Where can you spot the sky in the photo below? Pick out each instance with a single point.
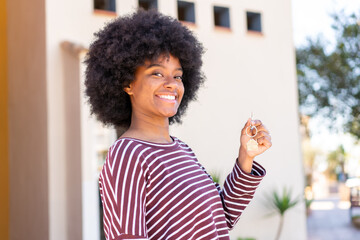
(311, 18)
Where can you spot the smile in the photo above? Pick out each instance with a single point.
(168, 97)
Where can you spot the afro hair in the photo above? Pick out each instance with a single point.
(125, 44)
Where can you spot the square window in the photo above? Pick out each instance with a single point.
(148, 4)
(222, 16)
(253, 21)
(106, 5)
(186, 11)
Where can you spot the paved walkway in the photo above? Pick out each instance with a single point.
(330, 220)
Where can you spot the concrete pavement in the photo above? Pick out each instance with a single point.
(330, 220)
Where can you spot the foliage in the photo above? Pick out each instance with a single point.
(281, 203)
(216, 177)
(308, 202)
(336, 162)
(307, 205)
(356, 221)
(329, 78)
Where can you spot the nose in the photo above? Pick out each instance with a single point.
(172, 83)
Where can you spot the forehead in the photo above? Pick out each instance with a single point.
(162, 59)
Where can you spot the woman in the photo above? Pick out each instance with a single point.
(142, 71)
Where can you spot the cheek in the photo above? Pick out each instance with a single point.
(141, 90)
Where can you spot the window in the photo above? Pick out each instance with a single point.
(253, 21)
(186, 11)
(222, 16)
(148, 4)
(106, 5)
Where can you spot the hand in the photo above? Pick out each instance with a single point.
(263, 139)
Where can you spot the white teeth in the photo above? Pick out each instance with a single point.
(170, 97)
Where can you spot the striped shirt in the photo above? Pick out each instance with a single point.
(161, 191)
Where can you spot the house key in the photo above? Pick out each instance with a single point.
(252, 144)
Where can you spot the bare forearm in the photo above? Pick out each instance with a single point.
(245, 161)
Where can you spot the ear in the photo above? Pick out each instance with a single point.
(128, 89)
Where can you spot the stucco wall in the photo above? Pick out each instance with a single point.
(4, 144)
(27, 120)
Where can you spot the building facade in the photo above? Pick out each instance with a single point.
(54, 149)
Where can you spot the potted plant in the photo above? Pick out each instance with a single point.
(356, 221)
(308, 204)
(281, 202)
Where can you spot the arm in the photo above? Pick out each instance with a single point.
(239, 189)
(122, 191)
(240, 185)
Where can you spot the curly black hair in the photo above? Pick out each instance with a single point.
(125, 44)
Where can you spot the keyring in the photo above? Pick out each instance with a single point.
(251, 128)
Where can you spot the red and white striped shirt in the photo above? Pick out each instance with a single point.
(161, 191)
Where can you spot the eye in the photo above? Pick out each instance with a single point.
(178, 78)
(157, 74)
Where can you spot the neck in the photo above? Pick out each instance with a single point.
(149, 129)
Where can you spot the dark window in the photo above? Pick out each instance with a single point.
(253, 21)
(186, 11)
(148, 4)
(222, 16)
(107, 5)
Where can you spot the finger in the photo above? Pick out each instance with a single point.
(262, 128)
(256, 122)
(262, 134)
(259, 125)
(247, 124)
(265, 141)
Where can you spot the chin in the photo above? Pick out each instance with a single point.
(169, 113)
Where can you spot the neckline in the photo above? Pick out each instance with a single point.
(174, 143)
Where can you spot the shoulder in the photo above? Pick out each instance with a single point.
(181, 144)
(126, 149)
(130, 146)
(124, 156)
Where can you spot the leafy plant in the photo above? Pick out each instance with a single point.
(356, 221)
(336, 161)
(308, 202)
(329, 78)
(307, 205)
(216, 177)
(281, 202)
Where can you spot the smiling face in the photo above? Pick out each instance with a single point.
(157, 89)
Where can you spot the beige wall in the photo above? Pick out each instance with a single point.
(4, 144)
(46, 145)
(27, 120)
(71, 68)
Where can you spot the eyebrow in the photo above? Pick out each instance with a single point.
(159, 65)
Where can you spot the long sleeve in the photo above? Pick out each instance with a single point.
(122, 190)
(239, 189)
